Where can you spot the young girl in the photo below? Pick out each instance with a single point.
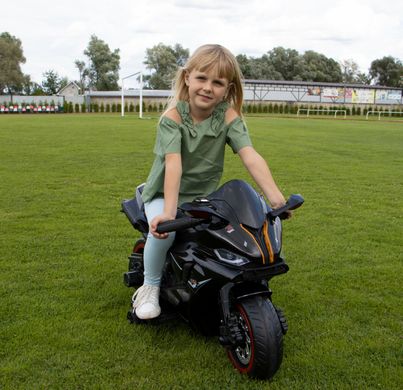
(203, 116)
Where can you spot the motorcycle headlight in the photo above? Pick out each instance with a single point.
(230, 258)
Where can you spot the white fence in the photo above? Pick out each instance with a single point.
(308, 110)
(35, 100)
(382, 113)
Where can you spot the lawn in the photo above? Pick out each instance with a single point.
(64, 246)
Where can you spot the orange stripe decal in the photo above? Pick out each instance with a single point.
(267, 241)
(260, 249)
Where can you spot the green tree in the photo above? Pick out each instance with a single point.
(29, 87)
(245, 65)
(317, 67)
(164, 61)
(83, 75)
(387, 71)
(52, 82)
(286, 62)
(11, 58)
(104, 65)
(350, 71)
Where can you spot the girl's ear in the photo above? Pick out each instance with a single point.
(186, 77)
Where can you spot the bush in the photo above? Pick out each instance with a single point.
(96, 107)
(113, 107)
(76, 108)
(265, 109)
(70, 107)
(108, 107)
(160, 107)
(83, 107)
(275, 108)
(150, 108)
(126, 108)
(358, 110)
(119, 107)
(281, 108)
(137, 107)
(270, 108)
(131, 107)
(102, 107)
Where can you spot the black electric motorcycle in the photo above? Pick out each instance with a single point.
(216, 276)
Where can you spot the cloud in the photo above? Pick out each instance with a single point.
(54, 36)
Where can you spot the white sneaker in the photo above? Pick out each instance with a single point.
(146, 302)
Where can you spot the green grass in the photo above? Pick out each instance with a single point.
(64, 246)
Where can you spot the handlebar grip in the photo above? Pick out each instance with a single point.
(179, 224)
(293, 203)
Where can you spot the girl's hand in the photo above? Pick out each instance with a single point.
(280, 202)
(158, 219)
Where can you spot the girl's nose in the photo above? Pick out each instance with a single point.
(207, 86)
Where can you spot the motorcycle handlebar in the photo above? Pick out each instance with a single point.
(179, 224)
(293, 203)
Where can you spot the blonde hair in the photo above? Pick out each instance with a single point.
(206, 58)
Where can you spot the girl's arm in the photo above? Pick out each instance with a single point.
(260, 172)
(173, 173)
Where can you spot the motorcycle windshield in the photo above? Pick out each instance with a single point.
(238, 198)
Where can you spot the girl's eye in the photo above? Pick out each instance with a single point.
(201, 78)
(219, 83)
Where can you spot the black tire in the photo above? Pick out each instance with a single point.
(262, 352)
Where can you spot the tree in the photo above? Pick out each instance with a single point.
(104, 65)
(52, 82)
(350, 71)
(245, 65)
(83, 75)
(164, 61)
(11, 58)
(387, 71)
(317, 67)
(286, 62)
(30, 88)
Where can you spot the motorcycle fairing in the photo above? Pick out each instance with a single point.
(238, 198)
(248, 230)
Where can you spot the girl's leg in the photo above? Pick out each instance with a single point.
(146, 298)
(156, 249)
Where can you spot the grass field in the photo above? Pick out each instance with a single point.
(64, 246)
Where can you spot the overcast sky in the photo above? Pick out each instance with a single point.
(56, 33)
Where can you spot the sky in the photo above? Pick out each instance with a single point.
(55, 34)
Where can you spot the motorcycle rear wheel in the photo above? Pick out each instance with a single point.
(261, 353)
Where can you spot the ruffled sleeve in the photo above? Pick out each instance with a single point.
(169, 137)
(238, 135)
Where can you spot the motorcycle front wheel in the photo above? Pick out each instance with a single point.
(261, 352)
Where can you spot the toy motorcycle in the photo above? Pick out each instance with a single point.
(216, 276)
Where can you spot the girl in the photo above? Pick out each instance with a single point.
(204, 115)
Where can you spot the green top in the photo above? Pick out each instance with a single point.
(202, 148)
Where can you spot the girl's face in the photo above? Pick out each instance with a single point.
(206, 90)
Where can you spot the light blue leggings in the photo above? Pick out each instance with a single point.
(156, 249)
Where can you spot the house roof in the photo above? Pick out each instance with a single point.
(68, 85)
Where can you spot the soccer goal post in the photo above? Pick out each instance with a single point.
(140, 93)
